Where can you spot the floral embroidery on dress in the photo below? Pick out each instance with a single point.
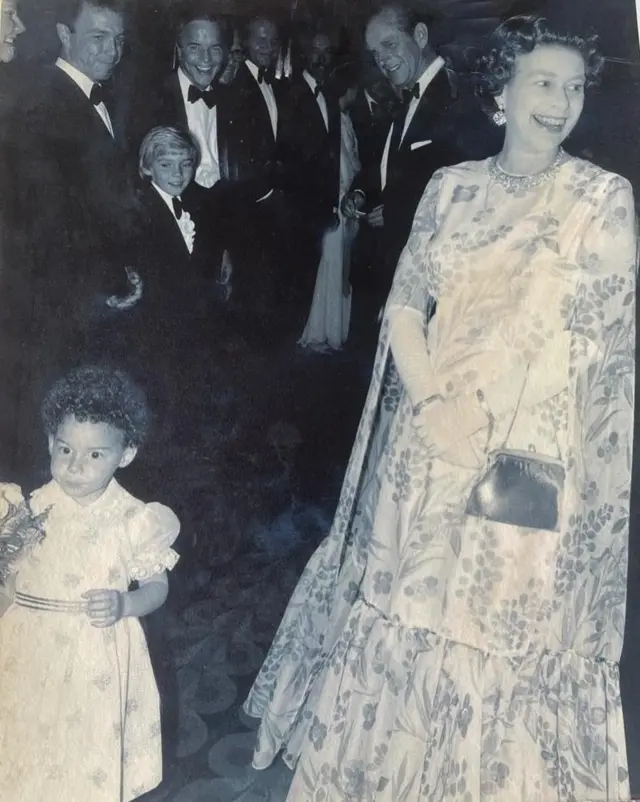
(79, 661)
(427, 654)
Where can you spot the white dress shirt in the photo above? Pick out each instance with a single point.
(185, 223)
(203, 124)
(423, 82)
(268, 95)
(320, 100)
(86, 84)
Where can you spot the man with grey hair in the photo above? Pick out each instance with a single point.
(421, 139)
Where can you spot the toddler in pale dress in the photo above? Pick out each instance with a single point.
(79, 705)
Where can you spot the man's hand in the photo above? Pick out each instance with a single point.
(375, 217)
(351, 204)
(135, 292)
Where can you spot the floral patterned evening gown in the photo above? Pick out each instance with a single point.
(427, 654)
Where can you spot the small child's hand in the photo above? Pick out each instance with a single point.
(105, 607)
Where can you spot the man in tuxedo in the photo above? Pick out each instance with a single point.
(72, 200)
(372, 113)
(421, 139)
(262, 236)
(69, 173)
(311, 148)
(192, 96)
(258, 100)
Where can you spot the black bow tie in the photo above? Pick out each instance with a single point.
(208, 95)
(408, 94)
(266, 74)
(97, 94)
(178, 208)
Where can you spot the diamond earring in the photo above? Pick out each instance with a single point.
(499, 118)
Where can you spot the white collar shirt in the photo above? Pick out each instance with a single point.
(86, 85)
(185, 223)
(203, 124)
(423, 82)
(320, 98)
(268, 95)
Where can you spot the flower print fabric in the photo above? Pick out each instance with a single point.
(79, 708)
(431, 655)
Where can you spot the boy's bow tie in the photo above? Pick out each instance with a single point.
(178, 207)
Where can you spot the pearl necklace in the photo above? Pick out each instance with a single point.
(522, 183)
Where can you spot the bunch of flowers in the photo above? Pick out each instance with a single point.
(20, 529)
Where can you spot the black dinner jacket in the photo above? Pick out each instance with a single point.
(371, 129)
(175, 279)
(242, 185)
(170, 109)
(72, 192)
(430, 142)
(311, 151)
(253, 150)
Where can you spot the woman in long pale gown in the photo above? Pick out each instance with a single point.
(428, 654)
(328, 322)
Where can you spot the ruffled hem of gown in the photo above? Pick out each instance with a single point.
(396, 713)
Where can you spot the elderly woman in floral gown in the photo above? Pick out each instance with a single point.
(432, 650)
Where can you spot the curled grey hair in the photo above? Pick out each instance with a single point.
(519, 35)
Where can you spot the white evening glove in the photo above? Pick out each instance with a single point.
(411, 355)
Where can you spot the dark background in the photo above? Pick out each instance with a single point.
(608, 134)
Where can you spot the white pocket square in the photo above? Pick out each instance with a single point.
(421, 144)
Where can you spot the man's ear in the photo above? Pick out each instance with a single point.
(64, 34)
(128, 456)
(421, 35)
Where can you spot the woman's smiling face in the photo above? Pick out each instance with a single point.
(544, 99)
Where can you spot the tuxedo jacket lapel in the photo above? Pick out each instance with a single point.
(171, 234)
(253, 103)
(312, 108)
(80, 108)
(177, 101)
(433, 104)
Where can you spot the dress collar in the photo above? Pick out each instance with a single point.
(52, 494)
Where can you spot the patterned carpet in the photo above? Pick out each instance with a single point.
(254, 481)
(216, 646)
